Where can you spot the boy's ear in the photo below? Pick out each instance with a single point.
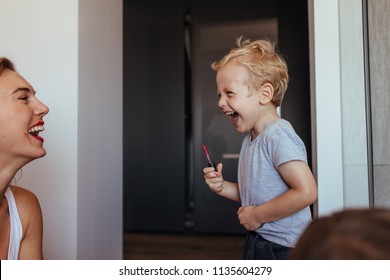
(266, 93)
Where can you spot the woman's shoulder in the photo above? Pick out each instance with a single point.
(32, 223)
(27, 204)
(23, 196)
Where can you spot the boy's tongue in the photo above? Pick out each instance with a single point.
(234, 118)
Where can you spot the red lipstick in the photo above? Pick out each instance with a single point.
(35, 132)
(210, 163)
(39, 138)
(38, 123)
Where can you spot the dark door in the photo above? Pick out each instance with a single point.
(154, 121)
(170, 104)
(214, 33)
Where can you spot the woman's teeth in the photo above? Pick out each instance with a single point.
(36, 129)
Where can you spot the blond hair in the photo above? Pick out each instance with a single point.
(264, 63)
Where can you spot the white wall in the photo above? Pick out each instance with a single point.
(100, 130)
(338, 104)
(353, 100)
(326, 104)
(71, 52)
(379, 23)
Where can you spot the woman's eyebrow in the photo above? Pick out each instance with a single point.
(22, 89)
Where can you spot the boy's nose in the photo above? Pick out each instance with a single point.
(221, 102)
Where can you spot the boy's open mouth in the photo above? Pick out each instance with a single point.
(233, 116)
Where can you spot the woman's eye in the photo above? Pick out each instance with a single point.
(23, 98)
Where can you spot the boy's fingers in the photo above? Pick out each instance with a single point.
(208, 169)
(219, 167)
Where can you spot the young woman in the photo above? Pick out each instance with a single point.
(21, 121)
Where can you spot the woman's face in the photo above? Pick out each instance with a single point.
(21, 119)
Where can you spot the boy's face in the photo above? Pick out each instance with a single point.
(235, 98)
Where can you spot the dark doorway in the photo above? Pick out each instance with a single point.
(170, 105)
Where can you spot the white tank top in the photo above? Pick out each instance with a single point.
(15, 226)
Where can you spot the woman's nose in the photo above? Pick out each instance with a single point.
(40, 108)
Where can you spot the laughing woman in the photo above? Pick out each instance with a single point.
(21, 120)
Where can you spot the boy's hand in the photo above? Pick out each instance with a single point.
(214, 179)
(248, 218)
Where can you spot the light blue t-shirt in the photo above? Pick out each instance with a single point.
(259, 180)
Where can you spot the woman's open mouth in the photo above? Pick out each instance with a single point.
(36, 129)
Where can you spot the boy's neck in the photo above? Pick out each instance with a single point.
(269, 116)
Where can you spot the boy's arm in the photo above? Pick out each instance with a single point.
(302, 193)
(218, 185)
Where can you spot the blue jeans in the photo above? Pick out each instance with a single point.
(257, 248)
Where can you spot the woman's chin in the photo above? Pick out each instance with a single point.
(43, 153)
(38, 154)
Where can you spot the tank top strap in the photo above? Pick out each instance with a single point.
(15, 226)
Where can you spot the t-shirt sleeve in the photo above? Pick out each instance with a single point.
(285, 145)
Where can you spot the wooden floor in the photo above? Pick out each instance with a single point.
(153, 246)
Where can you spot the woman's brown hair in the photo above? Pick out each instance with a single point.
(5, 63)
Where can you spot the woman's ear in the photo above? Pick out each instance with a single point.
(266, 93)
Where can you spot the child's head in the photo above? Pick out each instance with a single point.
(348, 234)
(264, 64)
